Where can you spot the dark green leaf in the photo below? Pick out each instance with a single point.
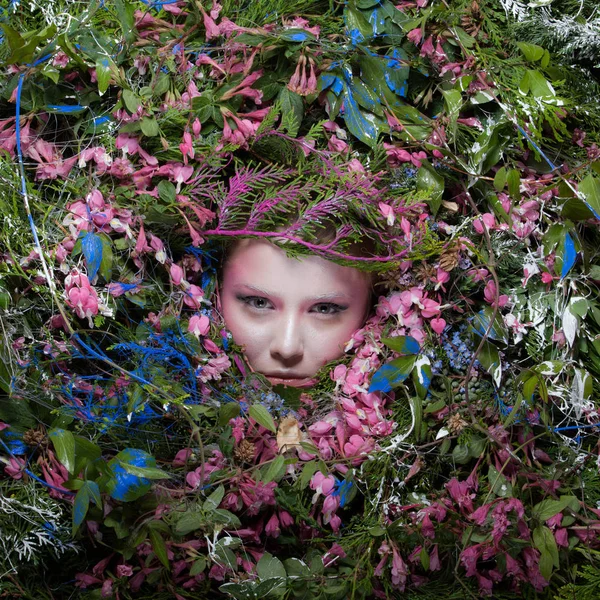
(159, 546)
(228, 411)
(80, 507)
(590, 189)
(166, 191)
(430, 180)
(392, 374)
(402, 344)
(198, 566)
(269, 567)
(64, 445)
(145, 472)
(275, 471)
(213, 501)
(188, 522)
(546, 509)
(292, 107)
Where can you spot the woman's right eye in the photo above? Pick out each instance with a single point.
(256, 302)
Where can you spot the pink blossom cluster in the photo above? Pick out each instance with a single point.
(81, 296)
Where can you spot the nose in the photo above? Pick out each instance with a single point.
(287, 344)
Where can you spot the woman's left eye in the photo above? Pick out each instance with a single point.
(328, 308)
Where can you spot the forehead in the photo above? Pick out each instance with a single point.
(260, 263)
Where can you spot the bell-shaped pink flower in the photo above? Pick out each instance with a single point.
(199, 325)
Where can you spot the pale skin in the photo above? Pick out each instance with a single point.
(291, 316)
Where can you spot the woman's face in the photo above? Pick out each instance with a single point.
(292, 316)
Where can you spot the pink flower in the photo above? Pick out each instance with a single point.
(256, 494)
(396, 156)
(388, 212)
(199, 325)
(124, 571)
(176, 273)
(187, 147)
(489, 294)
(489, 221)
(81, 296)
(272, 527)
(459, 492)
(321, 484)
(214, 368)
(438, 325)
(427, 48)
(15, 467)
(469, 557)
(399, 570)
(193, 297)
(415, 36)
(337, 145)
(196, 127)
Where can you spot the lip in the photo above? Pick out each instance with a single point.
(293, 381)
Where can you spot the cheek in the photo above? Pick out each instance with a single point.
(328, 342)
(245, 331)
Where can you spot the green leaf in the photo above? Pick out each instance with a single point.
(145, 472)
(500, 179)
(392, 374)
(103, 74)
(81, 505)
(546, 509)
(377, 531)
(513, 179)
(428, 179)
(228, 411)
(64, 445)
(166, 191)
(160, 547)
(269, 566)
(499, 484)
(107, 257)
(543, 540)
(275, 471)
(531, 52)
(292, 107)
(402, 344)
(296, 568)
(94, 493)
(261, 415)
(224, 517)
(453, 101)
(188, 522)
(149, 126)
(198, 566)
(590, 189)
(125, 14)
(131, 101)
(576, 210)
(163, 84)
(309, 469)
(481, 322)
(213, 501)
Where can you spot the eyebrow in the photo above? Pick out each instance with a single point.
(319, 298)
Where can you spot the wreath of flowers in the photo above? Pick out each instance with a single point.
(452, 450)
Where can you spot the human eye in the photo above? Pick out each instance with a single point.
(328, 308)
(255, 302)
